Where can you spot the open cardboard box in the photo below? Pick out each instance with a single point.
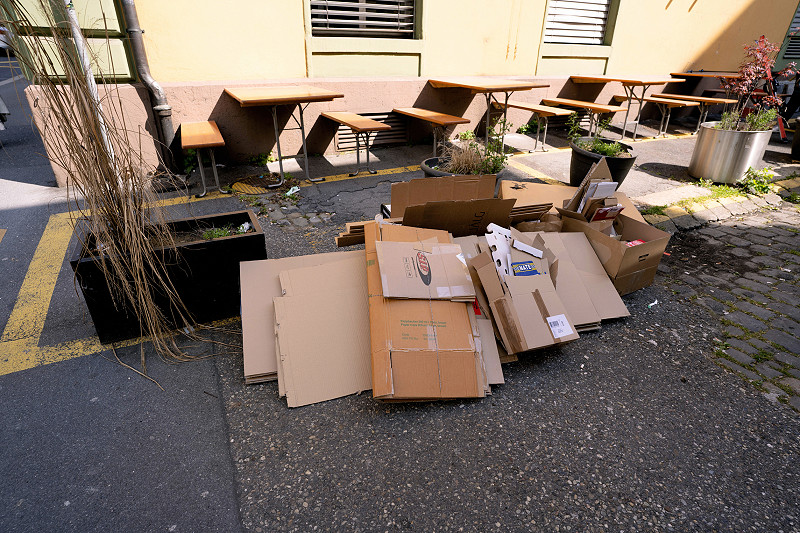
(630, 267)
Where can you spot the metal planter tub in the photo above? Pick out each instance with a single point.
(723, 156)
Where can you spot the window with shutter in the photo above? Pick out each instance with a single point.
(576, 21)
(363, 18)
(792, 45)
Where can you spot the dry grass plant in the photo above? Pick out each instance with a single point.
(108, 184)
(463, 158)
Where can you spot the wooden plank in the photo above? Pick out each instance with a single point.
(275, 95)
(666, 101)
(543, 110)
(592, 106)
(201, 135)
(701, 99)
(486, 85)
(705, 74)
(440, 119)
(356, 122)
(625, 80)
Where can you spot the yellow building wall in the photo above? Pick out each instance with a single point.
(656, 37)
(187, 40)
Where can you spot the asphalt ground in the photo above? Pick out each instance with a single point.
(632, 428)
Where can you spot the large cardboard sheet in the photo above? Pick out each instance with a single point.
(260, 283)
(334, 360)
(422, 190)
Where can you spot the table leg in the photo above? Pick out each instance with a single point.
(305, 150)
(639, 99)
(202, 173)
(214, 170)
(488, 115)
(278, 144)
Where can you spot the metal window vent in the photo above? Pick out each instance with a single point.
(363, 18)
(576, 21)
(346, 140)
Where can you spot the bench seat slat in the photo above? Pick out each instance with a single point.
(356, 122)
(592, 106)
(201, 135)
(666, 101)
(440, 119)
(543, 110)
(701, 99)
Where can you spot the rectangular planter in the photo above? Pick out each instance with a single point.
(205, 275)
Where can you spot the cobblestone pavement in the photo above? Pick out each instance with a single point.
(745, 270)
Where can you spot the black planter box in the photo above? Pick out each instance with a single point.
(205, 275)
(582, 160)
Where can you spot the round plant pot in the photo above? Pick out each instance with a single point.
(582, 161)
(428, 165)
(723, 156)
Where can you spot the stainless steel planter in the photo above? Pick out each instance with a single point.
(723, 156)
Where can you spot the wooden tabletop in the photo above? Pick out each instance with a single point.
(543, 110)
(356, 122)
(440, 119)
(691, 98)
(486, 85)
(201, 135)
(625, 80)
(277, 95)
(706, 74)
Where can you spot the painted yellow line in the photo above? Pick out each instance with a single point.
(384, 172)
(19, 344)
(532, 172)
(27, 317)
(2, 233)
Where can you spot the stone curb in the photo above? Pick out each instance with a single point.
(701, 213)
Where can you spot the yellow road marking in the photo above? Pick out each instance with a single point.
(19, 344)
(2, 233)
(341, 177)
(532, 172)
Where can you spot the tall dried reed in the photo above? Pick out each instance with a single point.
(108, 183)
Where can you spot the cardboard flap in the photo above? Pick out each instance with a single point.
(468, 217)
(419, 191)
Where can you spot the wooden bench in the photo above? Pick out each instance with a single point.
(361, 127)
(541, 113)
(665, 105)
(593, 109)
(705, 103)
(200, 135)
(439, 121)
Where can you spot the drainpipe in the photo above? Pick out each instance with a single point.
(161, 109)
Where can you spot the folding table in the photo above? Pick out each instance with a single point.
(487, 87)
(289, 96)
(630, 85)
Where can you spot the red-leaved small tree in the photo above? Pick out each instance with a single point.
(755, 69)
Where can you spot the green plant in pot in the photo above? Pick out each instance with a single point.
(725, 149)
(470, 156)
(587, 151)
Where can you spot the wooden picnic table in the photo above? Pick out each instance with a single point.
(629, 84)
(291, 96)
(487, 87)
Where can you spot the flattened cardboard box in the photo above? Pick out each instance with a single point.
(460, 218)
(526, 309)
(260, 283)
(424, 271)
(617, 257)
(527, 193)
(423, 190)
(335, 360)
(421, 349)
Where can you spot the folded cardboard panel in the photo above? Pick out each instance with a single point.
(467, 217)
(421, 349)
(423, 190)
(260, 283)
(527, 193)
(593, 289)
(640, 279)
(617, 257)
(335, 361)
(424, 270)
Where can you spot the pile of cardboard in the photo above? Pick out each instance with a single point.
(445, 291)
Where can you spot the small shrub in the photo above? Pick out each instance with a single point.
(528, 128)
(467, 135)
(761, 119)
(261, 160)
(757, 181)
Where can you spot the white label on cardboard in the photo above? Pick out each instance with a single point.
(522, 247)
(559, 326)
